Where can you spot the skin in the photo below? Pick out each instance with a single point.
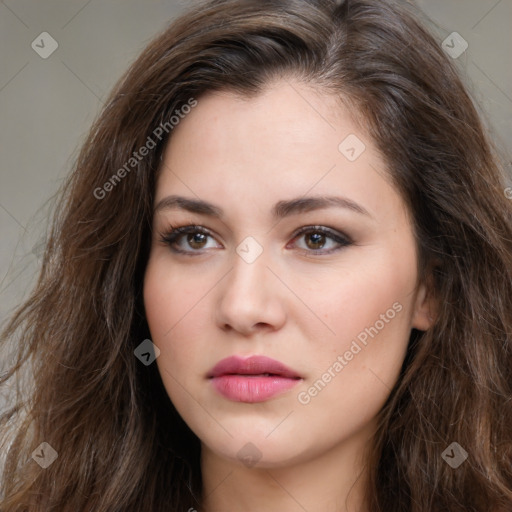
(291, 304)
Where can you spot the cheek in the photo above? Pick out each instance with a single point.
(170, 297)
(358, 296)
(176, 311)
(352, 375)
(368, 311)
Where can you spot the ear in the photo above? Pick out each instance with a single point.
(425, 308)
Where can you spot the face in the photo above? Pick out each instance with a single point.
(282, 284)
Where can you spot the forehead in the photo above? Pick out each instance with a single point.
(296, 114)
(285, 142)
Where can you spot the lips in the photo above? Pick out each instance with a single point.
(255, 365)
(253, 379)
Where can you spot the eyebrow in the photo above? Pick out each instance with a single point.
(280, 210)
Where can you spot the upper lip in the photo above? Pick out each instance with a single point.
(254, 365)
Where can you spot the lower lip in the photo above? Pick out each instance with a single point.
(252, 389)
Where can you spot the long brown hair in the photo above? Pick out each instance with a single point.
(121, 445)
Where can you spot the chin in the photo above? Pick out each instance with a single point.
(256, 450)
(258, 455)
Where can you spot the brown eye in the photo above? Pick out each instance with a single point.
(197, 240)
(320, 240)
(189, 240)
(315, 240)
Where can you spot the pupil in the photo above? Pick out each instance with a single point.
(317, 239)
(196, 239)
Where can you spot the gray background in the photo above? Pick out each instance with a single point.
(47, 105)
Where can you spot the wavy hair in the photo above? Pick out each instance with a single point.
(121, 444)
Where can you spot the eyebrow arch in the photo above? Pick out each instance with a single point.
(280, 210)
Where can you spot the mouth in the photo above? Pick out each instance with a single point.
(251, 380)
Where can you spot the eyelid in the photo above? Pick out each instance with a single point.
(335, 233)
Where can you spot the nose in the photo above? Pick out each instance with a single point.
(250, 298)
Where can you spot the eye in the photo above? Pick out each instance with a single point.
(193, 240)
(188, 239)
(320, 239)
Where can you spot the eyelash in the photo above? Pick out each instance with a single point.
(174, 234)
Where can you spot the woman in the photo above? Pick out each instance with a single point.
(279, 278)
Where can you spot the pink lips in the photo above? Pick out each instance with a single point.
(251, 380)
